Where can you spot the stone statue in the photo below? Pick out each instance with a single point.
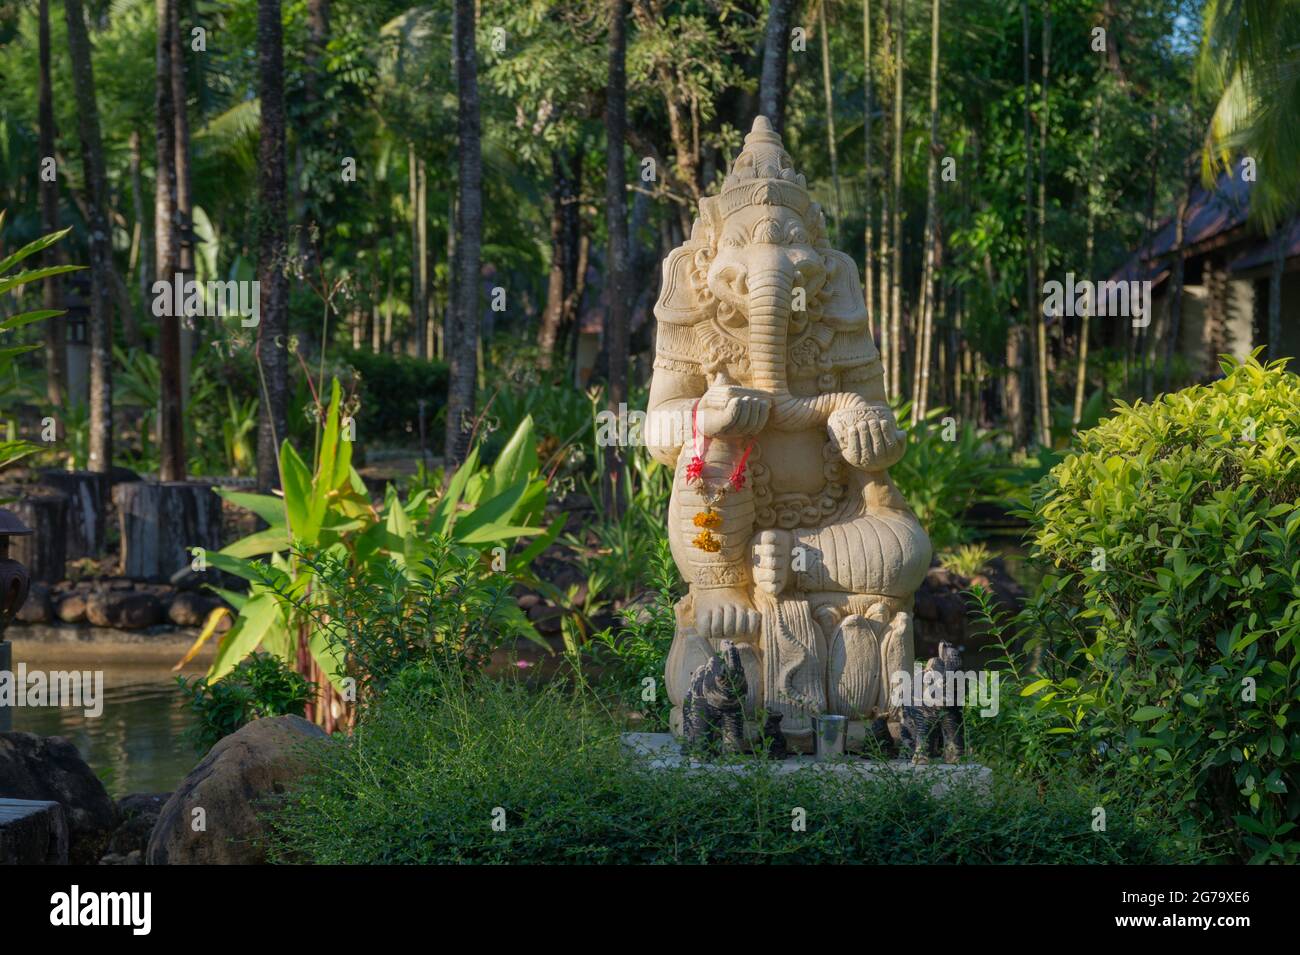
(768, 401)
(934, 730)
(712, 713)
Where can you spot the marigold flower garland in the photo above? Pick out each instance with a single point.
(709, 519)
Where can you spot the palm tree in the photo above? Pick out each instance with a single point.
(100, 453)
(462, 344)
(273, 330)
(1250, 63)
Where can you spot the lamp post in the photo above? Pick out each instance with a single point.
(14, 582)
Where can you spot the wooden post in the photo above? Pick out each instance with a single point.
(161, 522)
(88, 496)
(45, 511)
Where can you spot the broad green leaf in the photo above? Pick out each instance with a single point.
(266, 506)
(259, 616)
(518, 460)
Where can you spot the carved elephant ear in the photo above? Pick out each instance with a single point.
(679, 301)
(843, 304)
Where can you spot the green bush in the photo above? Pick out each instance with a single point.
(1172, 605)
(390, 390)
(422, 777)
(261, 685)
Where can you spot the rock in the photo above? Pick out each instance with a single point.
(32, 832)
(138, 813)
(124, 609)
(189, 608)
(943, 611)
(38, 607)
(72, 608)
(50, 768)
(229, 785)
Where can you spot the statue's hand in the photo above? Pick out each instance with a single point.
(868, 439)
(724, 612)
(727, 410)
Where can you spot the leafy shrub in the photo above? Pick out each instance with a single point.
(445, 609)
(261, 685)
(391, 387)
(420, 779)
(639, 649)
(1172, 609)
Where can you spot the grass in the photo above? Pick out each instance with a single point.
(456, 769)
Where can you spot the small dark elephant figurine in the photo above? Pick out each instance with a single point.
(713, 711)
(920, 722)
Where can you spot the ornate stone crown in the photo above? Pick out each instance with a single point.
(763, 174)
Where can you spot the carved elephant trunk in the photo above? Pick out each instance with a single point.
(769, 306)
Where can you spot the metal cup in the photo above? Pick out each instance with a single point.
(831, 733)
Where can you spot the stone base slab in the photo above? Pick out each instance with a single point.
(32, 832)
(664, 751)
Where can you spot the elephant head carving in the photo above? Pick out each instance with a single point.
(758, 271)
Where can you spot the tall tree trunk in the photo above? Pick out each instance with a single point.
(887, 342)
(776, 54)
(145, 261)
(830, 119)
(56, 358)
(417, 249)
(1176, 286)
(463, 347)
(1090, 239)
(1275, 294)
(922, 389)
(426, 264)
(868, 282)
(616, 225)
(100, 457)
(189, 329)
(273, 330)
(1043, 398)
(896, 201)
(171, 440)
(556, 281)
(1015, 396)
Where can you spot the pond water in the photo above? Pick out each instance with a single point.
(137, 744)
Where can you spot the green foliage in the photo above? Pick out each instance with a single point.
(325, 518)
(1171, 613)
(967, 560)
(946, 469)
(11, 450)
(638, 650)
(443, 610)
(261, 685)
(391, 389)
(421, 777)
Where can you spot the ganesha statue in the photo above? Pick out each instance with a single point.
(768, 403)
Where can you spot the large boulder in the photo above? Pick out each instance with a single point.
(230, 788)
(50, 768)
